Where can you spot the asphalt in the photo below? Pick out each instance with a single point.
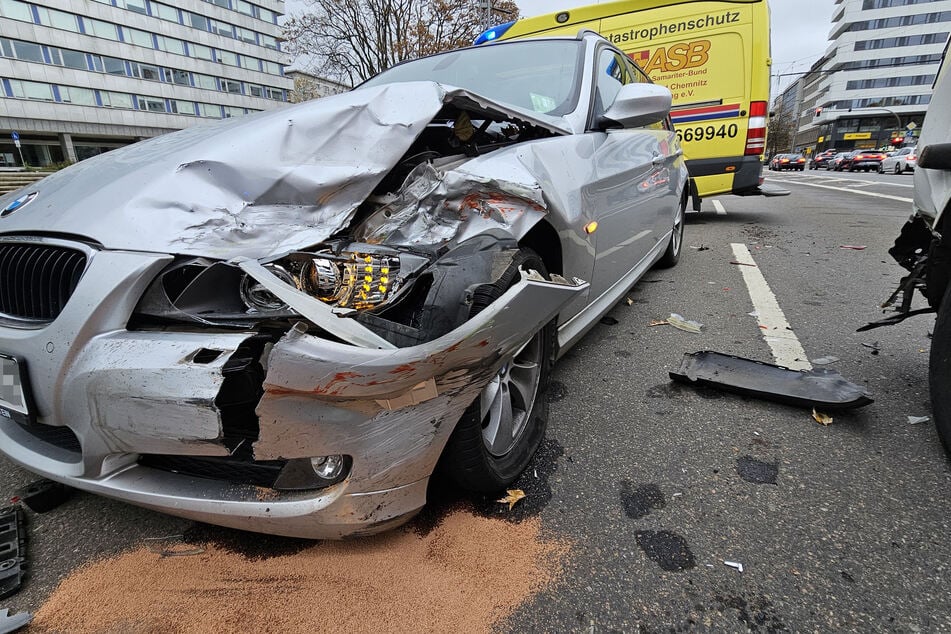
(842, 527)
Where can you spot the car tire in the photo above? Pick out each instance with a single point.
(939, 371)
(675, 246)
(881, 170)
(898, 169)
(488, 450)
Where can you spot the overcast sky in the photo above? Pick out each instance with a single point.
(800, 29)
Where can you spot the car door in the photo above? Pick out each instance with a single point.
(630, 189)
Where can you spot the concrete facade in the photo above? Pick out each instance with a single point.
(83, 76)
(876, 76)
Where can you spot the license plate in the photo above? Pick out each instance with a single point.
(15, 401)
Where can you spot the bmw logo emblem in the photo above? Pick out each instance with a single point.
(19, 203)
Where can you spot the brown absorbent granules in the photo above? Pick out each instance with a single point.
(464, 576)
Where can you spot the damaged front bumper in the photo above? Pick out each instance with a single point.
(116, 410)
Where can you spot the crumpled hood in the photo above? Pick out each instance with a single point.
(253, 186)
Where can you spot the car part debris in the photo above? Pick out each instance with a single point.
(12, 550)
(735, 565)
(13, 623)
(820, 388)
(657, 322)
(917, 420)
(824, 360)
(514, 495)
(43, 495)
(172, 546)
(682, 323)
(738, 263)
(822, 419)
(853, 247)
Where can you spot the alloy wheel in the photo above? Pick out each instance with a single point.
(506, 402)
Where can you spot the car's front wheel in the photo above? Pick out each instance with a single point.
(939, 371)
(897, 169)
(672, 254)
(499, 433)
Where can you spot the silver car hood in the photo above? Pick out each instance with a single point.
(253, 186)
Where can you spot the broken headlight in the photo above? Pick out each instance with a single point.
(351, 280)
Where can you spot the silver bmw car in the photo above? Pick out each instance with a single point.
(282, 322)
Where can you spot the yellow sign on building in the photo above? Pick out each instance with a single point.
(857, 136)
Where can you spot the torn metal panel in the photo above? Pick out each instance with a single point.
(353, 395)
(437, 207)
(822, 388)
(252, 186)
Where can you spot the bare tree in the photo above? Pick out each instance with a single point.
(782, 128)
(351, 40)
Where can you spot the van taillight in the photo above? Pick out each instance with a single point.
(756, 133)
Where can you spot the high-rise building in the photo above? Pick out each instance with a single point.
(876, 76)
(79, 77)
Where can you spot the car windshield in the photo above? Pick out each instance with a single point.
(541, 76)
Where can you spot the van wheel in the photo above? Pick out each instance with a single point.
(499, 433)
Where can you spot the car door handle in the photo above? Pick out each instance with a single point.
(658, 160)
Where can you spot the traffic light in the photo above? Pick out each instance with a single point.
(819, 111)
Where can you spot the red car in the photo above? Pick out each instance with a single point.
(864, 160)
(788, 162)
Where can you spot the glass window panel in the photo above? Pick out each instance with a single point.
(165, 12)
(116, 99)
(268, 16)
(250, 63)
(245, 35)
(197, 21)
(256, 91)
(171, 45)
(31, 90)
(209, 110)
(28, 51)
(78, 96)
(221, 28)
(136, 5)
(139, 38)
(268, 41)
(244, 7)
(16, 10)
(201, 52)
(183, 107)
(148, 71)
(7, 47)
(113, 66)
(227, 57)
(205, 81)
(233, 87)
(231, 111)
(152, 105)
(97, 63)
(74, 59)
(222, 3)
(101, 29)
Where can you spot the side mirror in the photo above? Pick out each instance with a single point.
(637, 105)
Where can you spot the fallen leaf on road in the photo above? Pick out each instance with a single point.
(514, 495)
(822, 419)
(630, 302)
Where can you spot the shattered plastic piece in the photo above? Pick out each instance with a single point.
(734, 564)
(172, 546)
(630, 302)
(754, 314)
(43, 495)
(681, 323)
(13, 623)
(824, 360)
(738, 263)
(13, 550)
(821, 387)
(701, 248)
(514, 495)
(917, 420)
(822, 419)
(852, 247)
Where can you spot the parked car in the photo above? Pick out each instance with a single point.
(819, 160)
(925, 253)
(835, 162)
(787, 162)
(904, 160)
(281, 322)
(863, 160)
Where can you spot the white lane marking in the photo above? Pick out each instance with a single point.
(854, 191)
(719, 207)
(778, 335)
(832, 179)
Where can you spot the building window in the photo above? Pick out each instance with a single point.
(15, 10)
(255, 90)
(139, 38)
(146, 71)
(183, 107)
(245, 35)
(227, 57)
(251, 63)
(115, 99)
(269, 42)
(234, 87)
(171, 45)
(136, 5)
(58, 19)
(31, 90)
(231, 111)
(205, 81)
(270, 67)
(221, 28)
(165, 12)
(68, 58)
(28, 51)
(885, 4)
(151, 104)
(101, 29)
(179, 77)
(113, 66)
(209, 110)
(78, 96)
(201, 52)
(244, 7)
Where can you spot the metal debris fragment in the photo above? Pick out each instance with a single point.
(682, 323)
(853, 247)
(13, 547)
(917, 420)
(172, 546)
(735, 565)
(12, 623)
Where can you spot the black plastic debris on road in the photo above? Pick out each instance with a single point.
(43, 495)
(819, 388)
(12, 550)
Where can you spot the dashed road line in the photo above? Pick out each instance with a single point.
(787, 351)
(721, 211)
(832, 179)
(854, 191)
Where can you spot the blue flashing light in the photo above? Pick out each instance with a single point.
(493, 34)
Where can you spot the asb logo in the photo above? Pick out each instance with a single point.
(18, 203)
(668, 59)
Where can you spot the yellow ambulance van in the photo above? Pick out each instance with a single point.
(714, 57)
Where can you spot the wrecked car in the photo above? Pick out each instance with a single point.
(922, 250)
(282, 322)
